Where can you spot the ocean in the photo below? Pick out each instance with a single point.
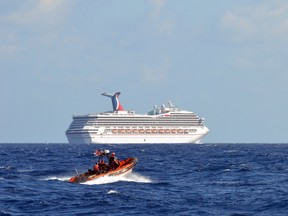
(206, 179)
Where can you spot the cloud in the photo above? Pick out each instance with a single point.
(262, 31)
(267, 20)
(157, 6)
(8, 50)
(37, 12)
(37, 19)
(49, 5)
(152, 75)
(162, 20)
(155, 74)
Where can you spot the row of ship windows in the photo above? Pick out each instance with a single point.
(142, 130)
(128, 122)
(137, 124)
(149, 131)
(150, 120)
(107, 115)
(125, 122)
(81, 130)
(137, 118)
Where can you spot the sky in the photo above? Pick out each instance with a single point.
(224, 60)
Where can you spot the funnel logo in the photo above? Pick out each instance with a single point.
(115, 101)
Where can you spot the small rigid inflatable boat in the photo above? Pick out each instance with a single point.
(125, 167)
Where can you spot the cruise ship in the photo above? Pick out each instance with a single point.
(161, 125)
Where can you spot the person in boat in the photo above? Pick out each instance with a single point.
(113, 162)
(101, 153)
(96, 169)
(103, 167)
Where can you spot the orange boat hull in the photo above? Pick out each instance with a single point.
(125, 167)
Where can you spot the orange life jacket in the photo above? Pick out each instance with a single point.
(96, 167)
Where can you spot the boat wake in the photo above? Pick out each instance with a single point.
(136, 177)
(132, 177)
(59, 178)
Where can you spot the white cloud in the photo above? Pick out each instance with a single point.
(49, 5)
(8, 50)
(33, 16)
(152, 75)
(155, 74)
(39, 12)
(163, 22)
(238, 26)
(267, 20)
(157, 6)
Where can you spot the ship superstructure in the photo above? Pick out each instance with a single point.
(160, 125)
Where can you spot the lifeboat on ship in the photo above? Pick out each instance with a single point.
(148, 130)
(154, 131)
(125, 167)
(167, 130)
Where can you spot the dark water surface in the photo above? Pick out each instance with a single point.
(208, 179)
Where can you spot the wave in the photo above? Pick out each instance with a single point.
(136, 177)
(59, 178)
(132, 177)
(112, 192)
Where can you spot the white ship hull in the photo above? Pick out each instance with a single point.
(161, 125)
(138, 139)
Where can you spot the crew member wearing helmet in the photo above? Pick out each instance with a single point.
(113, 162)
(102, 166)
(96, 169)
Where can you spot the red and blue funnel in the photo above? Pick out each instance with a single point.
(115, 101)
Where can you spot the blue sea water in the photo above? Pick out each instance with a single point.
(207, 179)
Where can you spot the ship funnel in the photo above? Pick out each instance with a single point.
(115, 101)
